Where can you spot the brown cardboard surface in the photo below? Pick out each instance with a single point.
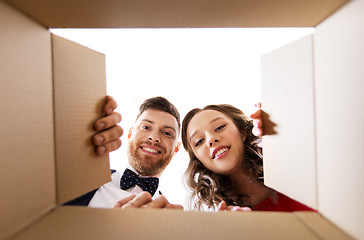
(176, 13)
(83, 223)
(287, 96)
(27, 149)
(27, 177)
(321, 226)
(339, 64)
(79, 97)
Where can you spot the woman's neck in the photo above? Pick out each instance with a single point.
(250, 187)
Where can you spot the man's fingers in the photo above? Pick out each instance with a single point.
(108, 121)
(140, 200)
(174, 206)
(110, 105)
(107, 136)
(108, 147)
(124, 201)
(145, 200)
(158, 202)
(162, 202)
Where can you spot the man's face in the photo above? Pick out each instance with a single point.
(153, 142)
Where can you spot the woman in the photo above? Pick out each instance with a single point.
(225, 169)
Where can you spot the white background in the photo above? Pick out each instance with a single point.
(190, 67)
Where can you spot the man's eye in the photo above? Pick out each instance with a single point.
(144, 127)
(220, 128)
(168, 134)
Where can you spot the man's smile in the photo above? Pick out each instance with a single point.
(150, 149)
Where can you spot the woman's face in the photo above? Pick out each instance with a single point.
(216, 141)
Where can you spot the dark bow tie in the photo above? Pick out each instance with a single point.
(130, 179)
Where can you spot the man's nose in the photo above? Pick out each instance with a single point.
(154, 137)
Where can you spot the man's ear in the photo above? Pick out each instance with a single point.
(176, 149)
(130, 132)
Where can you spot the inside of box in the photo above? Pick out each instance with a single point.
(33, 42)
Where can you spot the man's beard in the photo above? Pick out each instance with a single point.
(147, 166)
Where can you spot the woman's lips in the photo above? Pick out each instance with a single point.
(220, 151)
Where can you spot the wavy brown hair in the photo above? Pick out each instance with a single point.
(209, 188)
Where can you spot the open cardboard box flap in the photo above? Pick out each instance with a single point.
(60, 89)
(79, 87)
(84, 223)
(177, 14)
(57, 89)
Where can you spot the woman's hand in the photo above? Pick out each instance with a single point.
(223, 207)
(262, 125)
(257, 121)
(108, 139)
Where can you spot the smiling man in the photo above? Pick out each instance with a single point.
(152, 143)
(153, 140)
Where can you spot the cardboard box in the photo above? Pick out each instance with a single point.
(52, 90)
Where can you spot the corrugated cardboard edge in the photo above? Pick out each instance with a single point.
(321, 226)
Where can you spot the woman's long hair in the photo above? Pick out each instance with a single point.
(209, 188)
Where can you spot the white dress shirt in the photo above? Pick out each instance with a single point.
(109, 193)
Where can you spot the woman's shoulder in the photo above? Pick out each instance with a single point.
(279, 202)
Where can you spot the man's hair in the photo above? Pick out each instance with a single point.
(161, 104)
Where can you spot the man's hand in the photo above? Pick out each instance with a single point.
(145, 200)
(108, 139)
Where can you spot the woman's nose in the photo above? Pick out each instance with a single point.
(212, 141)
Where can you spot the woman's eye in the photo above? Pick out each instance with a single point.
(198, 143)
(220, 127)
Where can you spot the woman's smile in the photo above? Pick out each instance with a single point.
(220, 152)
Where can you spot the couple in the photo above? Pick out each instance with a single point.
(225, 168)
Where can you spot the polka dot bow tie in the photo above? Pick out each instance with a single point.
(130, 179)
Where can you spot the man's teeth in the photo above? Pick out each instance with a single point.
(221, 151)
(150, 150)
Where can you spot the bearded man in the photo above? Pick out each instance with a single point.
(152, 143)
